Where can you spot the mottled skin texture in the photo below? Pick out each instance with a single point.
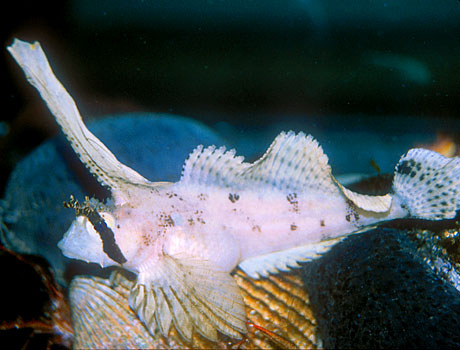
(226, 227)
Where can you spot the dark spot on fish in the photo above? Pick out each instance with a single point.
(169, 220)
(118, 226)
(412, 174)
(293, 227)
(292, 199)
(146, 239)
(201, 221)
(256, 228)
(405, 167)
(201, 197)
(191, 222)
(233, 197)
(348, 217)
(321, 223)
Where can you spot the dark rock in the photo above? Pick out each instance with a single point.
(374, 291)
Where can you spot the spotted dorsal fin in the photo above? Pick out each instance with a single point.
(213, 167)
(92, 152)
(293, 163)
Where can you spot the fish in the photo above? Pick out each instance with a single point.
(183, 239)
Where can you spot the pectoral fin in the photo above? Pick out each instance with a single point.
(191, 294)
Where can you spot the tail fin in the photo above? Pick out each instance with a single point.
(428, 184)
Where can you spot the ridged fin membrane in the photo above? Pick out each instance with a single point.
(92, 152)
(262, 265)
(293, 163)
(102, 318)
(193, 295)
(428, 184)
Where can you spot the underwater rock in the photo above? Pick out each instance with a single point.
(441, 251)
(375, 291)
(32, 209)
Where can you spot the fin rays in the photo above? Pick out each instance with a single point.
(292, 163)
(427, 183)
(194, 299)
(91, 151)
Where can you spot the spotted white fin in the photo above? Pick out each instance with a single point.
(92, 152)
(428, 184)
(262, 265)
(193, 295)
(293, 163)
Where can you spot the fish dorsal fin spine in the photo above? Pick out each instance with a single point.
(92, 152)
(211, 166)
(292, 163)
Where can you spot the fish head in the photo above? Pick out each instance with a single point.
(84, 242)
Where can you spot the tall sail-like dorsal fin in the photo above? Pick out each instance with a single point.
(92, 152)
(293, 163)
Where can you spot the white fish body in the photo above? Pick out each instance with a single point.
(183, 239)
